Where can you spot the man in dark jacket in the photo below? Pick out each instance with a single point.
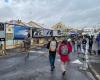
(90, 44)
(98, 39)
(84, 42)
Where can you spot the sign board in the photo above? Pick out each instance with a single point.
(37, 32)
(2, 32)
(20, 32)
(60, 32)
(55, 33)
(47, 32)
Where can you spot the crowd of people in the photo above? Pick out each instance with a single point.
(76, 45)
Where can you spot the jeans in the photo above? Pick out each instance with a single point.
(52, 59)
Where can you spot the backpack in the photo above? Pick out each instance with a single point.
(64, 50)
(52, 45)
(84, 41)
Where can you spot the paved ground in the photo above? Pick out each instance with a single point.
(36, 67)
(94, 61)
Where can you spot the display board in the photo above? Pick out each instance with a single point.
(2, 32)
(47, 32)
(55, 33)
(37, 32)
(20, 32)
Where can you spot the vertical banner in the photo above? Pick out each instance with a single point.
(9, 32)
(2, 32)
(9, 36)
(20, 32)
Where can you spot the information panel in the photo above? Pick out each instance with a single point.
(2, 32)
(47, 33)
(37, 32)
(20, 32)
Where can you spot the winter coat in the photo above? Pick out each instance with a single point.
(64, 58)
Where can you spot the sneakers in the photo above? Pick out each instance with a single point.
(64, 73)
(52, 68)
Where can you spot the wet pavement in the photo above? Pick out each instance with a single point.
(36, 67)
(94, 62)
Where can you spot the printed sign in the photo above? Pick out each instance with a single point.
(20, 32)
(47, 32)
(36, 32)
(2, 32)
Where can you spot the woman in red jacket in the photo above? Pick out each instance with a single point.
(64, 49)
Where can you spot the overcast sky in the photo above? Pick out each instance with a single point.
(49, 12)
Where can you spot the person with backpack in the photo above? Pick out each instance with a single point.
(64, 49)
(52, 46)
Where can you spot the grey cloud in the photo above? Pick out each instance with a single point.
(52, 11)
(6, 12)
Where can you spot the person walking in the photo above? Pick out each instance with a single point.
(98, 39)
(52, 46)
(27, 43)
(64, 49)
(90, 44)
(95, 45)
(78, 46)
(74, 45)
(84, 42)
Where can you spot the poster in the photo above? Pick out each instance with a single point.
(37, 32)
(59, 32)
(9, 36)
(55, 33)
(20, 32)
(47, 33)
(2, 32)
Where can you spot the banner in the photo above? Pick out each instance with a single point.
(36, 32)
(60, 32)
(47, 32)
(55, 33)
(2, 32)
(20, 32)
